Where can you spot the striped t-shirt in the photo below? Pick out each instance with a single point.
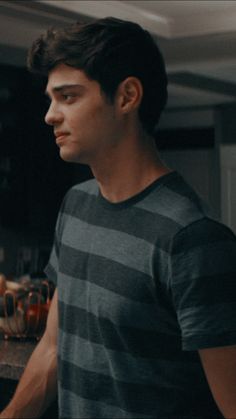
(142, 285)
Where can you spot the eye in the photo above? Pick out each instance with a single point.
(68, 97)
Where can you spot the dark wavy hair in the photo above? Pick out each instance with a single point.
(108, 50)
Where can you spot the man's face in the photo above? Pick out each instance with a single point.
(85, 124)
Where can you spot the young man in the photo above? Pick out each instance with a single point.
(143, 321)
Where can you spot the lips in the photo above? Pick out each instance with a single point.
(60, 136)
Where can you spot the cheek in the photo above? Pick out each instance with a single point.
(91, 119)
(81, 120)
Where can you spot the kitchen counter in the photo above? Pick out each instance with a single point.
(14, 355)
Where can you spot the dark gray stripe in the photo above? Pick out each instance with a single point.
(217, 318)
(212, 259)
(167, 201)
(194, 343)
(117, 246)
(73, 404)
(205, 290)
(120, 366)
(134, 398)
(204, 232)
(118, 309)
(136, 341)
(150, 225)
(108, 274)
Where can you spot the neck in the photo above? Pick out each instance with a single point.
(129, 170)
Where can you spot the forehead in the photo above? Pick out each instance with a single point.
(64, 74)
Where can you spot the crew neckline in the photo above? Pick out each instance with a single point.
(157, 183)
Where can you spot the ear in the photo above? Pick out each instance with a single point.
(130, 93)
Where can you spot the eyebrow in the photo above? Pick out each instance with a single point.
(63, 87)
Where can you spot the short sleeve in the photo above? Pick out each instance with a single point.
(52, 267)
(203, 284)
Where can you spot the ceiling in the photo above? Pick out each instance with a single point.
(197, 38)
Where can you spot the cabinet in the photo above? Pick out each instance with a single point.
(228, 185)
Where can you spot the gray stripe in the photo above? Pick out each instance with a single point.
(173, 204)
(53, 260)
(89, 408)
(90, 187)
(120, 366)
(117, 308)
(216, 318)
(119, 247)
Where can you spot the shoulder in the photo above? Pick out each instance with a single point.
(78, 193)
(89, 187)
(77, 196)
(174, 204)
(202, 251)
(201, 233)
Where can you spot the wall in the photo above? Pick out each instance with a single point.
(226, 137)
(225, 122)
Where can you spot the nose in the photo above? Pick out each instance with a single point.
(53, 115)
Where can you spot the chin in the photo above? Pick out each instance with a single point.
(70, 157)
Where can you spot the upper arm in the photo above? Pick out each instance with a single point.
(203, 275)
(51, 331)
(203, 284)
(220, 368)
